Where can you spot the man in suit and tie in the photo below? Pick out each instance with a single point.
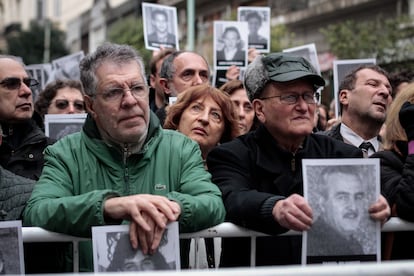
(364, 95)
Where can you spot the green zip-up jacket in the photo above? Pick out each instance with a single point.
(81, 171)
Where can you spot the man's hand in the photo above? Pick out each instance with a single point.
(252, 53)
(132, 207)
(293, 213)
(233, 73)
(380, 210)
(147, 240)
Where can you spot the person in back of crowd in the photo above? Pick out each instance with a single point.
(244, 108)
(364, 95)
(123, 167)
(61, 97)
(260, 173)
(321, 118)
(179, 71)
(157, 98)
(333, 120)
(15, 190)
(397, 171)
(21, 151)
(399, 80)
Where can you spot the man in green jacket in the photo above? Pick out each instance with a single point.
(123, 167)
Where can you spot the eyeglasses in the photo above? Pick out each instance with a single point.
(308, 97)
(63, 104)
(115, 94)
(16, 83)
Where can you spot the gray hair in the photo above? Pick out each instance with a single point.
(255, 78)
(15, 58)
(108, 52)
(168, 69)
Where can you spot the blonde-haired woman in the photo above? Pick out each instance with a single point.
(397, 171)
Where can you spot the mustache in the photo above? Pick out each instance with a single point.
(350, 215)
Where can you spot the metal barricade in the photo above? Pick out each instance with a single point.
(223, 230)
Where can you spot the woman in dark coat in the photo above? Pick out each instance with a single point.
(397, 173)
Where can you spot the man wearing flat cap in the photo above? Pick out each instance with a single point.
(260, 174)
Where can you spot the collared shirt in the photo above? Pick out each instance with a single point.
(229, 54)
(350, 137)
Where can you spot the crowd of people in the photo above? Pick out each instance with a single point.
(169, 146)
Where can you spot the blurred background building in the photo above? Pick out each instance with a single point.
(88, 23)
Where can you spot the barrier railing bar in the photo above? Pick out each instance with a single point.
(223, 230)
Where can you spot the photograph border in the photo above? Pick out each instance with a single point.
(15, 224)
(266, 28)
(312, 54)
(358, 163)
(171, 250)
(172, 11)
(67, 119)
(337, 79)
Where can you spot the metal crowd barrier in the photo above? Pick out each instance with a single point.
(223, 230)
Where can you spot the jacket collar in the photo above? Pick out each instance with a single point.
(91, 129)
(270, 155)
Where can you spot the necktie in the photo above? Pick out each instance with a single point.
(365, 146)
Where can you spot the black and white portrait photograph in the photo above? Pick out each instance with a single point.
(160, 26)
(340, 192)
(341, 68)
(230, 47)
(58, 126)
(308, 52)
(258, 22)
(112, 250)
(11, 248)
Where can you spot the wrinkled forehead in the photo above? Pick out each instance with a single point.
(367, 73)
(190, 61)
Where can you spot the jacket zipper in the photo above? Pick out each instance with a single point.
(126, 169)
(293, 163)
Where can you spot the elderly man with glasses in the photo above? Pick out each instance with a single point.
(123, 167)
(260, 174)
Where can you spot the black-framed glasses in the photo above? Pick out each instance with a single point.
(15, 83)
(308, 97)
(63, 104)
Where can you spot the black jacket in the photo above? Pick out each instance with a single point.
(397, 185)
(334, 132)
(22, 149)
(253, 173)
(22, 153)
